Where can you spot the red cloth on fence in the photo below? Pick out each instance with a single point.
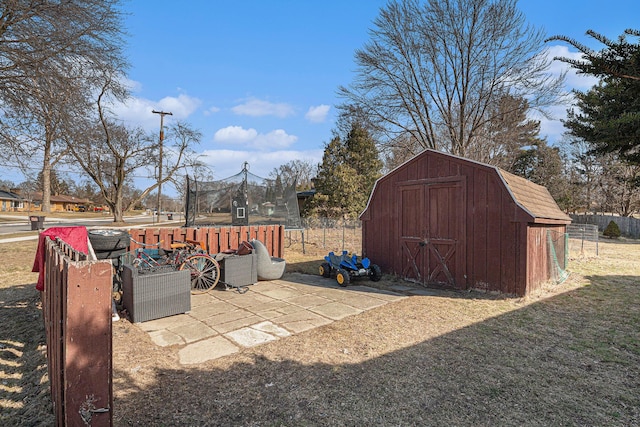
(76, 237)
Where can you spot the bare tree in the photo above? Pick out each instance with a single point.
(435, 70)
(506, 134)
(35, 121)
(584, 171)
(194, 168)
(50, 53)
(111, 154)
(618, 188)
(302, 171)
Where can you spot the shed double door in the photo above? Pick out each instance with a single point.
(432, 232)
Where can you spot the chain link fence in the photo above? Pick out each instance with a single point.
(323, 235)
(583, 240)
(629, 226)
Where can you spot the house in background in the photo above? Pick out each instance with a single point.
(62, 203)
(12, 201)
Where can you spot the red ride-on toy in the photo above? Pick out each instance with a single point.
(347, 266)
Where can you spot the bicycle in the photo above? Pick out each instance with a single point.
(189, 254)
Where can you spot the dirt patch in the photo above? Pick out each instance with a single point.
(569, 355)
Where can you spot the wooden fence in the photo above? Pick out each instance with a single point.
(216, 239)
(77, 315)
(629, 226)
(77, 305)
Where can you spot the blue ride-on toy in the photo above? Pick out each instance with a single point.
(347, 266)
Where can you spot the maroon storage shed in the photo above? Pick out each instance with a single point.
(445, 221)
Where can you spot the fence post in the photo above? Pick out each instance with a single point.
(77, 302)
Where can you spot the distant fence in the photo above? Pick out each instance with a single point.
(328, 233)
(77, 314)
(583, 239)
(629, 226)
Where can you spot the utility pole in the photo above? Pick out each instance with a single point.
(162, 114)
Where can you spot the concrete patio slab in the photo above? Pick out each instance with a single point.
(165, 322)
(308, 301)
(268, 314)
(282, 293)
(193, 332)
(249, 337)
(209, 349)
(248, 320)
(223, 321)
(198, 300)
(301, 321)
(335, 310)
(165, 338)
(273, 305)
(226, 317)
(271, 328)
(362, 302)
(214, 308)
(251, 299)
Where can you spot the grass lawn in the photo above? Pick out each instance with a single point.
(567, 356)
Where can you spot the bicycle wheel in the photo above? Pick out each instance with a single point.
(205, 272)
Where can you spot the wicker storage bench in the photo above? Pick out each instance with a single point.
(151, 296)
(239, 270)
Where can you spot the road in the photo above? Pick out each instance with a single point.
(9, 225)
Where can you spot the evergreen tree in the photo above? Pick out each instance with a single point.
(363, 156)
(346, 175)
(612, 231)
(544, 165)
(506, 133)
(608, 115)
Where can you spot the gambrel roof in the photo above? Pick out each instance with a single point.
(534, 198)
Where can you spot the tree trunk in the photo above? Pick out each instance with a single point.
(118, 214)
(46, 179)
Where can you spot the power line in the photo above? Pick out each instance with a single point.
(74, 172)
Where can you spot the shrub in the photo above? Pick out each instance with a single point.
(612, 231)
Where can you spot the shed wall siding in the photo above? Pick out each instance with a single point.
(490, 262)
(539, 255)
(502, 251)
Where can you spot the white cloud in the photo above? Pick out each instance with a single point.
(258, 108)
(138, 111)
(211, 110)
(181, 107)
(317, 114)
(573, 79)
(273, 140)
(251, 138)
(235, 135)
(132, 85)
(552, 128)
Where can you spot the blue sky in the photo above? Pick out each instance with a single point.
(259, 78)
